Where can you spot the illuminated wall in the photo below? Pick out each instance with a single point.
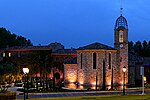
(84, 76)
(87, 75)
(70, 75)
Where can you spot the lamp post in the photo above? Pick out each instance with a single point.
(124, 70)
(26, 71)
(142, 73)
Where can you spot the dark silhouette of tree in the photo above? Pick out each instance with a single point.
(131, 46)
(7, 39)
(38, 62)
(7, 67)
(148, 49)
(138, 47)
(141, 49)
(144, 48)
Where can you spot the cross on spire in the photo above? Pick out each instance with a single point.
(121, 11)
(121, 8)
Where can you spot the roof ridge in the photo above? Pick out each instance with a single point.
(96, 45)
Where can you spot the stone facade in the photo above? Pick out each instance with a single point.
(101, 65)
(87, 75)
(70, 75)
(121, 44)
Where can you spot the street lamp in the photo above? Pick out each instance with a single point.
(124, 70)
(26, 71)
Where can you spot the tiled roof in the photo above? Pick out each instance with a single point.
(146, 60)
(96, 46)
(134, 58)
(65, 51)
(27, 48)
(70, 60)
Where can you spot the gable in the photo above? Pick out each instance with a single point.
(96, 46)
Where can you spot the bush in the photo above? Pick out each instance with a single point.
(6, 95)
(147, 85)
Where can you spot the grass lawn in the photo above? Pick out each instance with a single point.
(126, 97)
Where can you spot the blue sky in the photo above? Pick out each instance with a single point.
(74, 23)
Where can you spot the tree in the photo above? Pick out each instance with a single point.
(131, 46)
(138, 47)
(144, 48)
(8, 71)
(7, 39)
(148, 49)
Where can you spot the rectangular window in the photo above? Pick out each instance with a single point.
(9, 54)
(109, 60)
(94, 60)
(4, 54)
(81, 60)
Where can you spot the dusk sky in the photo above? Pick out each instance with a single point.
(74, 23)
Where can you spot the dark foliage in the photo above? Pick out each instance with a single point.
(142, 49)
(7, 39)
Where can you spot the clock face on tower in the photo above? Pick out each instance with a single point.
(121, 45)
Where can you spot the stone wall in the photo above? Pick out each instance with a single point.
(87, 75)
(122, 52)
(124, 62)
(70, 73)
(132, 75)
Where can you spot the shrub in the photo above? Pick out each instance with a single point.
(147, 85)
(6, 95)
(9, 95)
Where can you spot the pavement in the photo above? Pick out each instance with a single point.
(88, 93)
(15, 90)
(128, 91)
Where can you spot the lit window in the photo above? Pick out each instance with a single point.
(120, 36)
(4, 54)
(9, 54)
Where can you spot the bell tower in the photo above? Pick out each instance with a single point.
(121, 44)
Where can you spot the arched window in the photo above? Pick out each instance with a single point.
(120, 36)
(81, 60)
(94, 60)
(109, 61)
(57, 75)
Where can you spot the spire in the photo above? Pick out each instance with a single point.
(121, 8)
(121, 21)
(121, 11)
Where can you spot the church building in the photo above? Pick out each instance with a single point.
(98, 65)
(94, 66)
